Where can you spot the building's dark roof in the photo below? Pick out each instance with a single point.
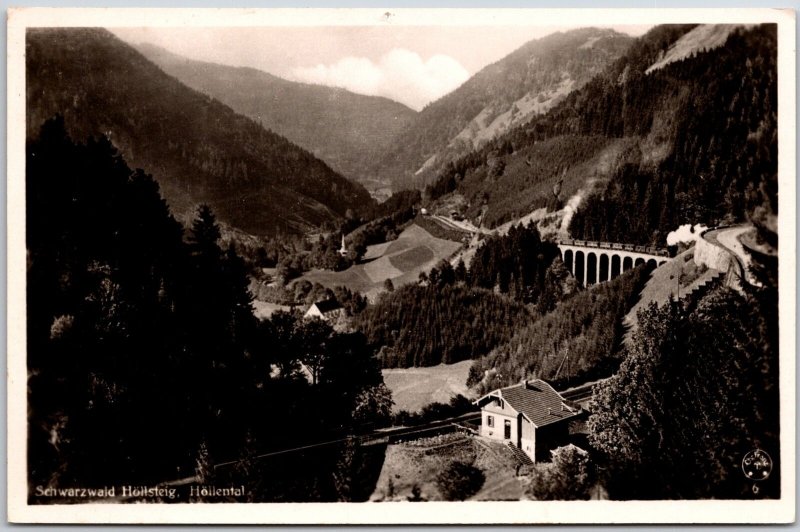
(537, 401)
(328, 305)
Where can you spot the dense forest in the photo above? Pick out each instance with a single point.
(198, 149)
(723, 143)
(440, 322)
(517, 264)
(578, 341)
(145, 360)
(696, 391)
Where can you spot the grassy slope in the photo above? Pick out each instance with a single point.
(676, 279)
(413, 388)
(414, 251)
(418, 463)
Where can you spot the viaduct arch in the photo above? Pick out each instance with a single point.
(596, 262)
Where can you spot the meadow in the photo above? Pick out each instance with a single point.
(402, 260)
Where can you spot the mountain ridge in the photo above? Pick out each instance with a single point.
(342, 128)
(198, 149)
(525, 82)
(643, 146)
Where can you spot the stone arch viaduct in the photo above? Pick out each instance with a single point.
(596, 262)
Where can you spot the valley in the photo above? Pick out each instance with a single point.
(210, 245)
(344, 129)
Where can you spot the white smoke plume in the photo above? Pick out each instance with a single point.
(686, 233)
(570, 208)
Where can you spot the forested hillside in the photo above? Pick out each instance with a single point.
(578, 341)
(641, 153)
(718, 134)
(519, 264)
(526, 82)
(456, 314)
(344, 129)
(439, 323)
(504, 181)
(198, 149)
(150, 337)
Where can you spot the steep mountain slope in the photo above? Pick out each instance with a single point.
(198, 149)
(700, 39)
(527, 82)
(340, 127)
(633, 155)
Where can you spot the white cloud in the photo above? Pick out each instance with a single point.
(400, 74)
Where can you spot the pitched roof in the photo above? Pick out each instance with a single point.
(327, 305)
(537, 401)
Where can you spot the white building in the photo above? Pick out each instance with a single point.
(531, 416)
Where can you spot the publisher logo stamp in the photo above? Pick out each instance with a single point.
(757, 466)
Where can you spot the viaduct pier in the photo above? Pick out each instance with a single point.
(595, 262)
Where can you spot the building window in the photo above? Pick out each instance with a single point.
(507, 430)
(490, 421)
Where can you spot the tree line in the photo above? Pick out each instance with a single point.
(144, 358)
(430, 324)
(577, 341)
(696, 391)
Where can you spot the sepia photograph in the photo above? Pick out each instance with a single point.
(455, 265)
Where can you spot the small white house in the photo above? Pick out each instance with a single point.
(328, 309)
(531, 416)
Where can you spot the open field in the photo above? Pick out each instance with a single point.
(263, 310)
(401, 260)
(413, 388)
(418, 463)
(409, 258)
(376, 251)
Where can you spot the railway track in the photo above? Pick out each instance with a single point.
(578, 394)
(582, 393)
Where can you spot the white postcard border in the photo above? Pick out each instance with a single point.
(777, 511)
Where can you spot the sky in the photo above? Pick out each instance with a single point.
(413, 65)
